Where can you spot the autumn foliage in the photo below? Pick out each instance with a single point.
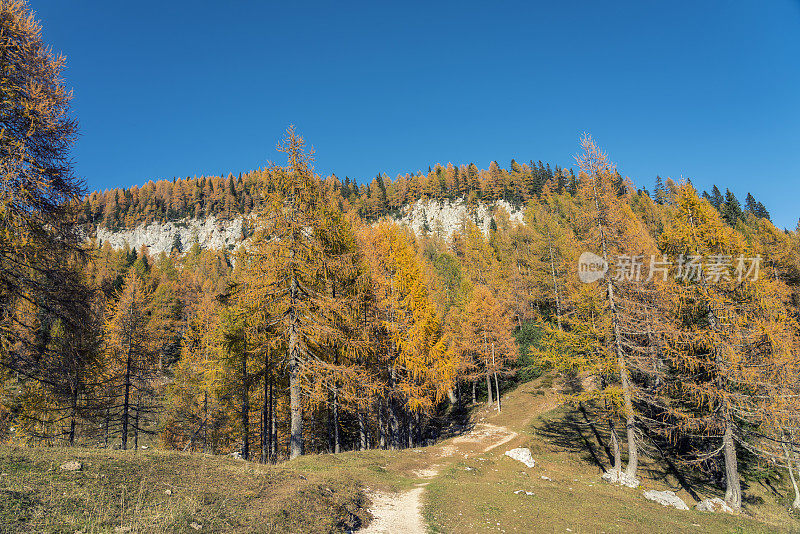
(334, 327)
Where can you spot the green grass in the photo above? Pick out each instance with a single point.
(329, 493)
(476, 494)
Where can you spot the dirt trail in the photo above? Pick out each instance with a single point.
(397, 513)
(401, 513)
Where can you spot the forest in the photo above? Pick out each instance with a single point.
(332, 328)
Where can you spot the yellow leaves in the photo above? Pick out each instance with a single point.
(416, 344)
(695, 227)
(127, 316)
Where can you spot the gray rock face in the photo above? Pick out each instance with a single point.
(71, 466)
(619, 477)
(440, 218)
(446, 217)
(522, 454)
(714, 504)
(666, 498)
(159, 237)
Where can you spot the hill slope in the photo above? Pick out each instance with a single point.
(461, 485)
(476, 492)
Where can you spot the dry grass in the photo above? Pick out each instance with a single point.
(160, 491)
(473, 492)
(476, 494)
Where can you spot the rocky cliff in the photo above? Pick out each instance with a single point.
(441, 218)
(160, 237)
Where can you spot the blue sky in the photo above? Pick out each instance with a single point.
(705, 90)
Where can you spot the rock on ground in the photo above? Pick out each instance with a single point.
(621, 478)
(666, 498)
(714, 504)
(522, 454)
(72, 466)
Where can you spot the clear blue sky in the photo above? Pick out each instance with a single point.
(706, 90)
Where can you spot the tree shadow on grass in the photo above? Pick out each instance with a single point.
(576, 429)
(573, 431)
(455, 422)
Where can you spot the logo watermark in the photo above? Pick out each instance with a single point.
(714, 268)
(591, 267)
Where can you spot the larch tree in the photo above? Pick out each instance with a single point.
(419, 365)
(547, 248)
(131, 354)
(284, 274)
(611, 229)
(193, 412)
(38, 241)
(729, 327)
(486, 339)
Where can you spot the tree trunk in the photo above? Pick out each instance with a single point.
(630, 418)
(615, 446)
(136, 424)
(362, 432)
(295, 394)
(394, 420)
(245, 406)
(73, 412)
(205, 422)
(796, 503)
(474, 391)
(489, 399)
(126, 402)
(265, 423)
(273, 421)
(107, 424)
(381, 426)
(733, 490)
(555, 281)
(410, 431)
(496, 382)
(789, 462)
(337, 447)
(394, 425)
(497, 391)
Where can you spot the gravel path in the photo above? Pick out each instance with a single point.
(397, 513)
(401, 513)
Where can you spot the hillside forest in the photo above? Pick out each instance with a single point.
(332, 328)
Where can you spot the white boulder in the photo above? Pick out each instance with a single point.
(714, 504)
(72, 466)
(621, 478)
(666, 498)
(522, 454)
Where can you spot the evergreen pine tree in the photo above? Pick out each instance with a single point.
(716, 197)
(730, 209)
(660, 191)
(750, 204)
